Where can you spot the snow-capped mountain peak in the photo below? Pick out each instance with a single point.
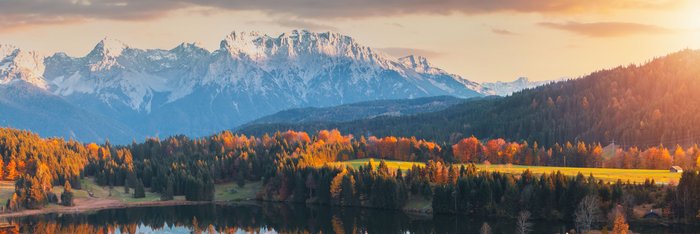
(6, 50)
(104, 55)
(418, 63)
(298, 43)
(244, 43)
(194, 47)
(109, 47)
(21, 65)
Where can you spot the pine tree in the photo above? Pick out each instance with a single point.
(126, 186)
(168, 193)
(240, 179)
(348, 191)
(139, 191)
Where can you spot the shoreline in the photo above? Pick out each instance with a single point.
(96, 204)
(88, 205)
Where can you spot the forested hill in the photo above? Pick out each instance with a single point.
(650, 104)
(361, 110)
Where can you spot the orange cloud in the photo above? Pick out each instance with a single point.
(16, 23)
(607, 29)
(298, 24)
(27, 12)
(503, 32)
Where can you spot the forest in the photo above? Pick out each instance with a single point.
(293, 167)
(636, 105)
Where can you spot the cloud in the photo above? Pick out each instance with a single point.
(294, 23)
(14, 23)
(402, 52)
(398, 25)
(304, 24)
(368, 8)
(607, 29)
(32, 11)
(503, 32)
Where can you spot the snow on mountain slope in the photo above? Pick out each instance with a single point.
(507, 88)
(421, 65)
(189, 90)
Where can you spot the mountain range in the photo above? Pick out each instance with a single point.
(644, 105)
(122, 93)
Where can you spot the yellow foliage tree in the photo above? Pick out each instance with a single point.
(337, 185)
(620, 226)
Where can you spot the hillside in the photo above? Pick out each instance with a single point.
(650, 104)
(360, 110)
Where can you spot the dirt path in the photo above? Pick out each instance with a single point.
(94, 204)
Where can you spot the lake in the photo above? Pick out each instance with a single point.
(272, 218)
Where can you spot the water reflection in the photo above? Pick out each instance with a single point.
(262, 218)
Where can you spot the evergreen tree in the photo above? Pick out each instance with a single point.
(168, 193)
(139, 191)
(126, 186)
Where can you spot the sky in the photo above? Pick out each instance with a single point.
(481, 40)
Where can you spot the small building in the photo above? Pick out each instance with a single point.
(676, 169)
(652, 215)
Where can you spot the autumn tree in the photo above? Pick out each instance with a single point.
(2, 166)
(467, 150)
(336, 187)
(67, 195)
(620, 226)
(11, 171)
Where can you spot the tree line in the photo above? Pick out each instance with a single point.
(293, 166)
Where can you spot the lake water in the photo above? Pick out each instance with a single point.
(272, 218)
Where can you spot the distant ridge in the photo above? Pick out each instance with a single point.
(360, 110)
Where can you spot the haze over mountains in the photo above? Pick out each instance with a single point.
(124, 93)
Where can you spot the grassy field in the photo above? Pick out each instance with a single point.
(88, 184)
(7, 188)
(231, 191)
(223, 192)
(605, 174)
